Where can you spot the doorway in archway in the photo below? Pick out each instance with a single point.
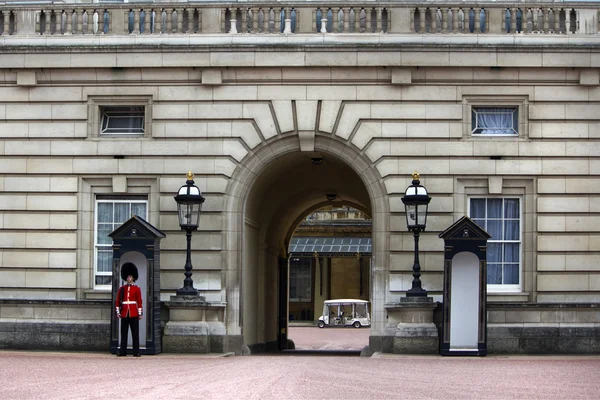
(329, 260)
(289, 189)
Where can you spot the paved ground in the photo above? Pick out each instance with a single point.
(313, 338)
(27, 375)
(51, 375)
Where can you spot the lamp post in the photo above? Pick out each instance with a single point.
(416, 201)
(189, 204)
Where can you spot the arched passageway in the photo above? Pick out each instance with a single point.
(274, 190)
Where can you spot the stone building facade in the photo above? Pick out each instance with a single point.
(104, 108)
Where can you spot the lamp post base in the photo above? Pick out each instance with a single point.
(187, 292)
(416, 293)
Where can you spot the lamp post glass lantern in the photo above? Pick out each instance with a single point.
(416, 200)
(189, 204)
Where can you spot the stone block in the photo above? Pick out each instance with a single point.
(565, 167)
(69, 111)
(261, 113)
(551, 262)
(12, 129)
(580, 112)
(27, 148)
(503, 345)
(50, 279)
(331, 59)
(562, 283)
(51, 203)
(43, 165)
(232, 59)
(284, 114)
(235, 92)
(351, 114)
(538, 345)
(547, 112)
(416, 345)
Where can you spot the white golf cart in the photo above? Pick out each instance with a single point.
(345, 312)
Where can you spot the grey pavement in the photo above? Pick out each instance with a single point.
(55, 375)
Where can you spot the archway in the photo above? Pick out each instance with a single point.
(269, 194)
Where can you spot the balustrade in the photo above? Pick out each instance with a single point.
(263, 16)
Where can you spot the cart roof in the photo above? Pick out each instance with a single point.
(345, 301)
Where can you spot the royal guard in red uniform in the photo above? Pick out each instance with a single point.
(129, 308)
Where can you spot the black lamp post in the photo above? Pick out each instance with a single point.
(189, 204)
(415, 202)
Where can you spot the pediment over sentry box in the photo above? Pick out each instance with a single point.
(464, 229)
(136, 228)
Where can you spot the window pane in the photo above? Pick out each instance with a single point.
(511, 274)
(511, 252)
(494, 228)
(103, 231)
(105, 211)
(480, 222)
(104, 260)
(138, 209)
(478, 208)
(494, 252)
(122, 213)
(494, 208)
(511, 208)
(103, 280)
(494, 274)
(494, 121)
(511, 230)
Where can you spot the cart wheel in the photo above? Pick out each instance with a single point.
(356, 324)
(321, 324)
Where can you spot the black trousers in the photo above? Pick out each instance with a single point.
(134, 323)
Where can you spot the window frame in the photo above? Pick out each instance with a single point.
(504, 288)
(118, 112)
(520, 102)
(97, 103)
(130, 199)
(514, 118)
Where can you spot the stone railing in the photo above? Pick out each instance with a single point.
(288, 17)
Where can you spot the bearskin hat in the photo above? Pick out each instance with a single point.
(129, 269)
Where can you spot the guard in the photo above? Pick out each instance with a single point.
(129, 309)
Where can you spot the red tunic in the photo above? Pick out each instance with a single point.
(132, 302)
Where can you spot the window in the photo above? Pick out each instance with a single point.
(495, 120)
(501, 218)
(122, 120)
(110, 214)
(300, 279)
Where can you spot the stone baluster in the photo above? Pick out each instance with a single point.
(379, 19)
(6, 29)
(287, 20)
(255, 21)
(147, 19)
(368, 23)
(433, 27)
(95, 19)
(422, 17)
(546, 26)
(477, 20)
(169, 20)
(136, 21)
(357, 20)
(444, 20)
(346, 20)
(568, 21)
(577, 21)
(557, 21)
(529, 25)
(454, 20)
(334, 20)
(79, 29)
(245, 27)
(47, 22)
(179, 20)
(58, 23)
